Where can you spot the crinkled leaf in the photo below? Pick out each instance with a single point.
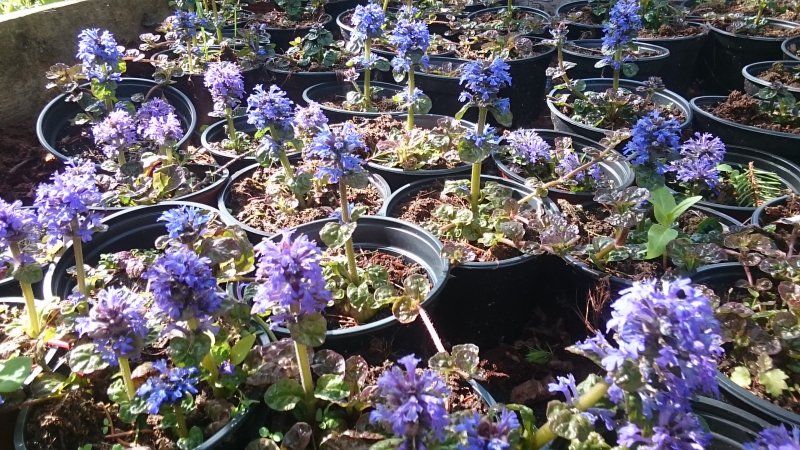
(28, 273)
(406, 309)
(331, 387)
(310, 330)
(13, 373)
(284, 395)
(241, 349)
(298, 437)
(334, 234)
(327, 362)
(741, 376)
(774, 381)
(85, 359)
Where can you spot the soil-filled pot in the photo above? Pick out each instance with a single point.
(683, 54)
(397, 177)
(53, 124)
(726, 275)
(585, 53)
(758, 215)
(326, 92)
(255, 235)
(129, 229)
(562, 122)
(544, 17)
(397, 238)
(730, 52)
(618, 171)
(791, 49)
(281, 37)
(730, 427)
(527, 88)
(493, 300)
(217, 132)
(788, 173)
(443, 89)
(786, 145)
(578, 30)
(296, 82)
(752, 82)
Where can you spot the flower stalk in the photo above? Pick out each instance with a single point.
(127, 379)
(475, 181)
(350, 252)
(27, 293)
(545, 435)
(77, 247)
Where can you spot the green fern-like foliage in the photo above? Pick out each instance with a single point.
(754, 186)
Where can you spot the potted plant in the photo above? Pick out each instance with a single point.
(789, 47)
(584, 54)
(293, 19)
(760, 75)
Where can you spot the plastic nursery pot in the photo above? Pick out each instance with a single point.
(484, 302)
(791, 49)
(281, 37)
(752, 83)
(758, 215)
(132, 228)
(527, 89)
(443, 89)
(562, 122)
(337, 7)
(327, 92)
(395, 237)
(217, 132)
(578, 30)
(618, 171)
(295, 82)
(726, 274)
(254, 234)
(650, 60)
(397, 178)
(730, 427)
(544, 17)
(53, 123)
(730, 52)
(788, 173)
(683, 54)
(786, 145)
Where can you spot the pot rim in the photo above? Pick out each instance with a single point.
(750, 74)
(662, 52)
(709, 99)
(321, 86)
(295, 29)
(780, 23)
(787, 52)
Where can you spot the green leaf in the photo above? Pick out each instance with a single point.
(284, 395)
(663, 204)
(741, 376)
(28, 273)
(335, 234)
(406, 309)
(241, 349)
(463, 111)
(774, 381)
(681, 208)
(331, 387)
(658, 236)
(13, 373)
(310, 330)
(193, 440)
(503, 118)
(86, 359)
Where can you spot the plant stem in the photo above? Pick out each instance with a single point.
(216, 25)
(410, 120)
(27, 293)
(125, 369)
(180, 421)
(544, 434)
(567, 176)
(367, 74)
(622, 235)
(264, 326)
(352, 268)
(77, 247)
(385, 5)
(617, 60)
(475, 182)
(301, 352)
(437, 341)
(231, 128)
(121, 158)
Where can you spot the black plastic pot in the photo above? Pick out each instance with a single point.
(788, 172)
(216, 132)
(683, 54)
(752, 83)
(578, 30)
(296, 82)
(255, 235)
(730, 427)
(395, 237)
(545, 18)
(617, 170)
(730, 52)
(324, 92)
(562, 122)
(527, 90)
(337, 7)
(492, 300)
(786, 145)
(54, 120)
(281, 37)
(758, 215)
(397, 178)
(132, 228)
(726, 275)
(790, 48)
(443, 90)
(649, 66)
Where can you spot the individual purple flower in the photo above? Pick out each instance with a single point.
(367, 22)
(699, 161)
(225, 83)
(776, 438)
(483, 433)
(410, 99)
(620, 29)
(270, 108)
(410, 39)
(99, 54)
(116, 133)
(185, 221)
(338, 151)
(310, 119)
(565, 385)
(227, 368)
(527, 146)
(674, 429)
(184, 287)
(170, 386)
(185, 23)
(66, 201)
(570, 161)
(17, 223)
(157, 121)
(483, 81)
(654, 142)
(116, 324)
(412, 404)
(488, 137)
(292, 285)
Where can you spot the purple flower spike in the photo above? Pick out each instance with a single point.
(270, 108)
(116, 133)
(483, 81)
(776, 438)
(367, 22)
(412, 404)
(338, 151)
(225, 84)
(411, 38)
(68, 199)
(621, 29)
(527, 145)
(310, 119)
(156, 121)
(185, 220)
(700, 157)
(486, 434)
(171, 386)
(654, 142)
(116, 324)
(17, 224)
(99, 54)
(291, 279)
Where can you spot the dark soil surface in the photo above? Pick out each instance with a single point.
(666, 110)
(278, 19)
(24, 165)
(744, 109)
(520, 18)
(784, 231)
(584, 16)
(769, 31)
(576, 48)
(779, 72)
(379, 104)
(670, 31)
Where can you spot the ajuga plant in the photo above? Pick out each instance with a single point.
(368, 22)
(411, 39)
(780, 105)
(225, 83)
(316, 50)
(19, 234)
(621, 29)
